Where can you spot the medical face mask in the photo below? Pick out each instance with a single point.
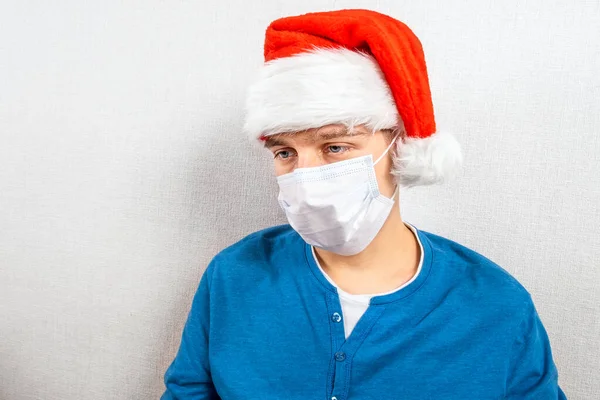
(336, 207)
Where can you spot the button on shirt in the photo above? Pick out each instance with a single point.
(264, 325)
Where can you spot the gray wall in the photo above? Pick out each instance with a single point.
(123, 171)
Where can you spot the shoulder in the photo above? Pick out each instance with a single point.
(477, 275)
(260, 244)
(256, 252)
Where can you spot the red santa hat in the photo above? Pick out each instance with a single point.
(352, 67)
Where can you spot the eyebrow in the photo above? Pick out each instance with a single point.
(279, 140)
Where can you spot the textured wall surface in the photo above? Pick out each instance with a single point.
(123, 172)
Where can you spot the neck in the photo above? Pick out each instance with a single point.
(388, 262)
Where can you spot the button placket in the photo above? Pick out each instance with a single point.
(336, 386)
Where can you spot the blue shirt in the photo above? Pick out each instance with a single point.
(264, 324)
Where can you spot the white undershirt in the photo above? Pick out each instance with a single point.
(355, 305)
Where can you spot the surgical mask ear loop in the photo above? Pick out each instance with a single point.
(384, 153)
(395, 192)
(387, 149)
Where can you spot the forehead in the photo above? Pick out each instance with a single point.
(327, 132)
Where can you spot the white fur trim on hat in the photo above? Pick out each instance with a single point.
(426, 161)
(339, 86)
(318, 88)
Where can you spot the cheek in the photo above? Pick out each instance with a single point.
(281, 169)
(278, 170)
(385, 180)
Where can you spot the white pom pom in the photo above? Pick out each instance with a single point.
(427, 161)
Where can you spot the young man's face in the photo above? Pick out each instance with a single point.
(330, 144)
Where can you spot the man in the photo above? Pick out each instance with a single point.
(349, 301)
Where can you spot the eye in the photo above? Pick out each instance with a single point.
(283, 154)
(336, 149)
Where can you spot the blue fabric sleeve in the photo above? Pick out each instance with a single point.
(532, 374)
(189, 377)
